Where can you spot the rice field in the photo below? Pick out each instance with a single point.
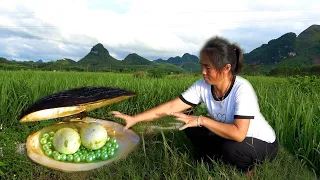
(291, 106)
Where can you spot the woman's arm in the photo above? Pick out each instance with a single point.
(236, 131)
(165, 109)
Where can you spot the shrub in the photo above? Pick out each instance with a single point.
(139, 74)
(304, 83)
(156, 73)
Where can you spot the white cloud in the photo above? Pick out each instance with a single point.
(152, 29)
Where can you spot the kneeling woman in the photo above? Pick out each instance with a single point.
(236, 129)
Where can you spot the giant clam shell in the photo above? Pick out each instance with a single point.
(127, 140)
(73, 101)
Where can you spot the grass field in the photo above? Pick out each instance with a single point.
(291, 107)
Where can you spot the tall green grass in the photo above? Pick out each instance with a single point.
(293, 111)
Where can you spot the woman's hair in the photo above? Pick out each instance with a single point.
(221, 52)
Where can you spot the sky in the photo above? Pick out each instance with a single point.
(51, 30)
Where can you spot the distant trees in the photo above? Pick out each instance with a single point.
(291, 71)
(160, 69)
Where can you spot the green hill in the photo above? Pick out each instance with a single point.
(188, 58)
(99, 56)
(308, 44)
(135, 59)
(160, 61)
(169, 67)
(192, 67)
(100, 59)
(296, 61)
(187, 61)
(274, 52)
(4, 60)
(65, 61)
(289, 50)
(308, 39)
(179, 61)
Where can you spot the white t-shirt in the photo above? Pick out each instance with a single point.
(240, 102)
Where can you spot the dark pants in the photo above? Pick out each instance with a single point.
(242, 155)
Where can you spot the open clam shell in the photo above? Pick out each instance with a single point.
(127, 140)
(73, 101)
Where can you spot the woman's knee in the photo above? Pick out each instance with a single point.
(238, 155)
(248, 152)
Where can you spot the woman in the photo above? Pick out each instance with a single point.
(235, 130)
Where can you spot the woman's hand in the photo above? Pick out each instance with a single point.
(130, 120)
(191, 121)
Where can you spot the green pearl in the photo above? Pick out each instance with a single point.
(46, 135)
(76, 159)
(89, 158)
(111, 153)
(104, 156)
(110, 149)
(116, 146)
(45, 147)
(114, 140)
(108, 144)
(43, 141)
(108, 138)
(51, 133)
(98, 155)
(48, 152)
(83, 158)
(55, 153)
(84, 154)
(50, 139)
(63, 157)
(98, 150)
(104, 151)
(93, 157)
(70, 158)
(104, 148)
(49, 144)
(57, 157)
(91, 153)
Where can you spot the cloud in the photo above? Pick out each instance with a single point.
(51, 30)
(39, 49)
(118, 6)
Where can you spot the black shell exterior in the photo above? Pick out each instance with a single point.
(76, 96)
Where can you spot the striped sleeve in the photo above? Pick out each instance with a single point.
(192, 96)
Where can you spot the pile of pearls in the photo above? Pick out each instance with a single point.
(82, 154)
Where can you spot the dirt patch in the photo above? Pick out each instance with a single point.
(21, 148)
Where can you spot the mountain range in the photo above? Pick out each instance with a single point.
(287, 50)
(99, 56)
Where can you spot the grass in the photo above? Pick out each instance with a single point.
(161, 154)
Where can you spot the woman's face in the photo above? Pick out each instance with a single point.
(209, 73)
